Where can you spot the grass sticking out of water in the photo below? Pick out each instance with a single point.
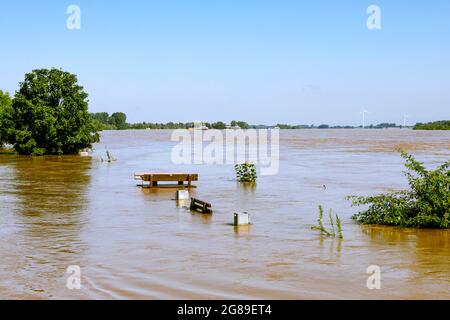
(335, 228)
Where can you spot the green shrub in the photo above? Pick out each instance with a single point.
(425, 205)
(245, 172)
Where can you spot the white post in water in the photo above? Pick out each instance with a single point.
(182, 195)
(241, 219)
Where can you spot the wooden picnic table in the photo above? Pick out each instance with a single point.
(152, 179)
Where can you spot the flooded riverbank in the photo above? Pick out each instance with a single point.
(133, 243)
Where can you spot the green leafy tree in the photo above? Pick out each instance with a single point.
(243, 125)
(219, 125)
(240, 124)
(425, 205)
(50, 114)
(103, 117)
(119, 120)
(5, 117)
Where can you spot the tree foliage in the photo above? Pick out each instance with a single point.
(5, 117)
(425, 205)
(218, 125)
(50, 114)
(102, 117)
(437, 125)
(241, 124)
(118, 120)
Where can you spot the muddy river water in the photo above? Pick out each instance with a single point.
(133, 243)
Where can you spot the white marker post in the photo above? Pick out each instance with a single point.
(182, 195)
(241, 219)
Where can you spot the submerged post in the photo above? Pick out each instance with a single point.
(182, 195)
(241, 219)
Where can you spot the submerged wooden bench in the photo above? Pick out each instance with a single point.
(200, 206)
(151, 180)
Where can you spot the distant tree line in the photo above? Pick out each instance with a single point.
(104, 121)
(118, 121)
(437, 125)
(326, 126)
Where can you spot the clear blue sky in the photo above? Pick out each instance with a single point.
(256, 60)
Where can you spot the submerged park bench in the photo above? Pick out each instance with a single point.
(200, 206)
(151, 180)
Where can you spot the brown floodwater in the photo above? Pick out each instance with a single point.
(134, 243)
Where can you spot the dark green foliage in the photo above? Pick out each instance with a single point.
(103, 121)
(6, 123)
(437, 125)
(218, 125)
(289, 127)
(100, 126)
(425, 205)
(385, 125)
(118, 120)
(50, 114)
(334, 230)
(161, 126)
(246, 172)
(240, 124)
(102, 117)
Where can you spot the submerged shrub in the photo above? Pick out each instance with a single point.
(425, 205)
(246, 172)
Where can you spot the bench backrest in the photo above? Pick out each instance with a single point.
(169, 177)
